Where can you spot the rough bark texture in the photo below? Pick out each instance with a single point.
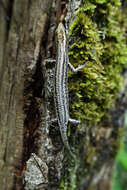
(26, 106)
(22, 29)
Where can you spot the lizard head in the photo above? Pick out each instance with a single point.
(61, 32)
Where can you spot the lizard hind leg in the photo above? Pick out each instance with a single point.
(74, 121)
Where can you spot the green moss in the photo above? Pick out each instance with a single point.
(68, 180)
(100, 45)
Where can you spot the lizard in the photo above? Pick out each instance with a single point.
(61, 80)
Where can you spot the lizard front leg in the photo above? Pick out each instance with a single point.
(75, 69)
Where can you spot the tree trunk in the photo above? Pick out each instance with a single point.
(32, 154)
(23, 25)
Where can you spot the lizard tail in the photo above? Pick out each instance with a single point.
(67, 146)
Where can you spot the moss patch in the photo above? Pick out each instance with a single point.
(98, 42)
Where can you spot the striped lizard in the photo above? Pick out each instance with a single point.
(61, 90)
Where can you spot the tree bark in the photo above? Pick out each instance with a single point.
(22, 29)
(31, 153)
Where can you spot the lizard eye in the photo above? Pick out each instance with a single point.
(60, 36)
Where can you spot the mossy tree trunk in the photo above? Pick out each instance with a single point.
(27, 39)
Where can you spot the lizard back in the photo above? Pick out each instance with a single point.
(61, 91)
